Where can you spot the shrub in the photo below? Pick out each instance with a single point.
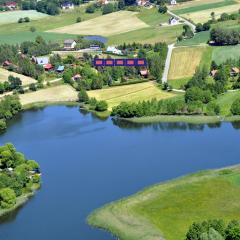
(82, 96)
(108, 8)
(213, 108)
(33, 87)
(78, 19)
(235, 108)
(20, 20)
(90, 9)
(101, 106)
(3, 125)
(26, 19)
(7, 198)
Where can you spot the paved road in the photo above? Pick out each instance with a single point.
(167, 63)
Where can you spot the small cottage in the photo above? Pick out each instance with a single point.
(144, 73)
(60, 68)
(114, 50)
(11, 5)
(235, 71)
(173, 2)
(40, 60)
(173, 21)
(48, 66)
(213, 72)
(6, 63)
(69, 44)
(67, 5)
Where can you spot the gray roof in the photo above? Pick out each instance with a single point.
(42, 60)
(69, 41)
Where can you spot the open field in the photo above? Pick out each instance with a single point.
(205, 15)
(13, 16)
(106, 25)
(221, 54)
(129, 93)
(152, 213)
(61, 93)
(205, 6)
(184, 61)
(25, 80)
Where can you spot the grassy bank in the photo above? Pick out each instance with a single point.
(165, 211)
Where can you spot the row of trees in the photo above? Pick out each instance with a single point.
(221, 36)
(12, 84)
(17, 175)
(214, 229)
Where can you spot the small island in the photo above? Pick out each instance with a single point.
(19, 178)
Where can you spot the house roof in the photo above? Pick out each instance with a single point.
(60, 68)
(69, 41)
(11, 4)
(67, 4)
(42, 60)
(48, 66)
(144, 72)
(213, 72)
(236, 70)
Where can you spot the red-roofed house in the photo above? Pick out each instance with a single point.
(144, 73)
(11, 5)
(7, 63)
(47, 67)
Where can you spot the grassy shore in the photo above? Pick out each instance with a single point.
(166, 210)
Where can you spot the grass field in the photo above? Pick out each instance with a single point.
(106, 25)
(178, 83)
(204, 7)
(61, 93)
(168, 209)
(205, 15)
(4, 74)
(184, 61)
(129, 93)
(13, 16)
(221, 54)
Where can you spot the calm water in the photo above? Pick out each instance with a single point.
(87, 163)
(96, 38)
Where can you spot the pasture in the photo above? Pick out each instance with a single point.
(61, 93)
(152, 213)
(106, 25)
(4, 74)
(184, 62)
(13, 16)
(205, 15)
(129, 93)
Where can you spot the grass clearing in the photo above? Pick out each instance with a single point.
(223, 53)
(184, 61)
(4, 74)
(61, 93)
(106, 25)
(178, 83)
(205, 15)
(200, 38)
(152, 213)
(129, 93)
(13, 16)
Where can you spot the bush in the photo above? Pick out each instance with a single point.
(90, 9)
(7, 198)
(78, 19)
(108, 8)
(82, 96)
(33, 87)
(3, 125)
(213, 109)
(26, 19)
(32, 29)
(235, 108)
(162, 9)
(20, 20)
(101, 106)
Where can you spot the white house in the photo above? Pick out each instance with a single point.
(173, 21)
(173, 2)
(67, 5)
(69, 44)
(114, 50)
(41, 60)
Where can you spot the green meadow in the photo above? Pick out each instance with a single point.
(168, 209)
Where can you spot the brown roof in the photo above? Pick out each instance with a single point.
(213, 72)
(236, 70)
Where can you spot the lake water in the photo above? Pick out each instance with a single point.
(87, 163)
(96, 38)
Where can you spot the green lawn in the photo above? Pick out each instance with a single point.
(204, 7)
(199, 38)
(168, 209)
(221, 54)
(178, 83)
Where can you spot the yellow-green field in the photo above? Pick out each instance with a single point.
(205, 15)
(129, 93)
(106, 25)
(4, 74)
(184, 61)
(61, 93)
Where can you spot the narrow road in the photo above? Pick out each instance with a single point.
(191, 25)
(167, 63)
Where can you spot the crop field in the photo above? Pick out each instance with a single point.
(25, 80)
(62, 93)
(152, 213)
(129, 93)
(221, 54)
(13, 16)
(184, 61)
(205, 15)
(106, 25)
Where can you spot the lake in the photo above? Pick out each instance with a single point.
(87, 162)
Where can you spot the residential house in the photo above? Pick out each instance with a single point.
(11, 5)
(213, 72)
(144, 73)
(67, 5)
(40, 60)
(76, 77)
(173, 21)
(143, 3)
(173, 2)
(103, 2)
(114, 50)
(7, 63)
(60, 68)
(69, 44)
(48, 67)
(235, 71)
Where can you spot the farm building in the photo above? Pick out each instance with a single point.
(69, 44)
(67, 5)
(173, 2)
(173, 21)
(114, 50)
(11, 5)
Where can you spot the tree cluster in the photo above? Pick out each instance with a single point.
(221, 36)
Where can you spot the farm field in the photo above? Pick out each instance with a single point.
(221, 54)
(25, 80)
(184, 61)
(61, 93)
(13, 16)
(129, 93)
(152, 213)
(205, 15)
(106, 25)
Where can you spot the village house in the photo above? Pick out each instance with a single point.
(173, 2)
(11, 5)
(213, 72)
(144, 73)
(69, 44)
(40, 60)
(234, 71)
(60, 68)
(67, 5)
(7, 63)
(114, 50)
(173, 21)
(76, 77)
(103, 2)
(143, 3)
